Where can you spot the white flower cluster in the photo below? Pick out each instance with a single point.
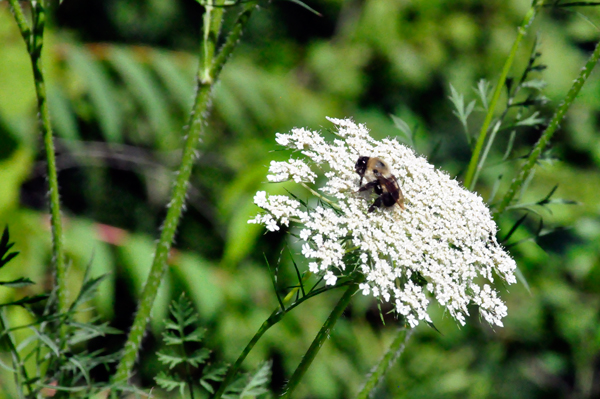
(445, 236)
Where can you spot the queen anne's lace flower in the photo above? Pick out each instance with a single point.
(441, 244)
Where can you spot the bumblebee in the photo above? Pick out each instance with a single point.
(379, 177)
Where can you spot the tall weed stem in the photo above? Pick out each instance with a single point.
(322, 335)
(541, 144)
(273, 319)
(388, 359)
(207, 75)
(474, 164)
(34, 39)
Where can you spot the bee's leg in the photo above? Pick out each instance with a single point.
(369, 186)
(376, 204)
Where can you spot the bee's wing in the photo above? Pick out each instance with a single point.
(392, 186)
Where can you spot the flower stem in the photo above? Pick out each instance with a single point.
(34, 39)
(390, 357)
(207, 76)
(474, 164)
(541, 144)
(275, 317)
(19, 371)
(321, 197)
(322, 336)
(231, 373)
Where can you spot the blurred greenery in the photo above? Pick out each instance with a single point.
(121, 78)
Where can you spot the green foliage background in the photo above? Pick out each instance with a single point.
(121, 78)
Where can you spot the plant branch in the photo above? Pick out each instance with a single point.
(275, 317)
(540, 146)
(322, 336)
(7, 344)
(470, 178)
(206, 80)
(388, 360)
(34, 39)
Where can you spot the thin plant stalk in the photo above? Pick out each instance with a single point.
(541, 144)
(322, 335)
(7, 344)
(388, 360)
(34, 39)
(474, 164)
(232, 372)
(212, 20)
(273, 319)
(207, 76)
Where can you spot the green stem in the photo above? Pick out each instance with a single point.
(390, 357)
(471, 178)
(7, 345)
(231, 373)
(211, 27)
(540, 146)
(206, 81)
(277, 315)
(34, 39)
(321, 197)
(323, 334)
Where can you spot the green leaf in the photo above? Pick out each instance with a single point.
(510, 144)
(18, 283)
(88, 291)
(515, 227)
(532, 120)
(63, 115)
(183, 312)
(303, 5)
(495, 188)
(5, 246)
(143, 86)
(195, 336)
(95, 79)
(81, 367)
(170, 338)
(214, 373)
(462, 112)
(537, 84)
(169, 383)
(86, 331)
(257, 382)
(27, 300)
(198, 357)
(173, 77)
(483, 91)
(170, 359)
(46, 340)
(405, 129)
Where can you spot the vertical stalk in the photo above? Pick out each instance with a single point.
(541, 144)
(388, 360)
(34, 40)
(273, 319)
(232, 372)
(7, 345)
(211, 27)
(471, 178)
(322, 336)
(207, 76)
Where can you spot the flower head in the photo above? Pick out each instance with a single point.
(440, 246)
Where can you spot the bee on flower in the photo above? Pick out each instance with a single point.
(407, 220)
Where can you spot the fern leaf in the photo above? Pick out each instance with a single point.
(169, 382)
(170, 359)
